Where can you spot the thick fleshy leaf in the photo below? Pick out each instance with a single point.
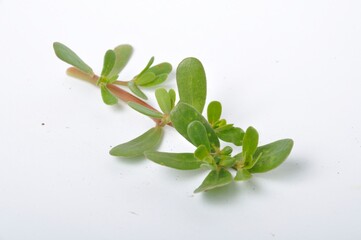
(158, 80)
(214, 112)
(242, 175)
(201, 152)
(183, 114)
(144, 110)
(233, 135)
(145, 78)
(191, 82)
(67, 55)
(136, 147)
(122, 55)
(181, 161)
(161, 68)
(107, 96)
(109, 60)
(250, 141)
(164, 100)
(226, 150)
(227, 161)
(134, 88)
(197, 133)
(215, 179)
(273, 154)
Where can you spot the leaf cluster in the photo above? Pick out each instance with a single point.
(213, 138)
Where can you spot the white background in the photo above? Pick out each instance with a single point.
(288, 68)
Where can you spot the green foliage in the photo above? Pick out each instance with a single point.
(67, 55)
(214, 112)
(164, 100)
(197, 133)
(181, 161)
(107, 96)
(135, 89)
(191, 82)
(122, 55)
(185, 116)
(136, 147)
(242, 175)
(271, 155)
(215, 179)
(144, 110)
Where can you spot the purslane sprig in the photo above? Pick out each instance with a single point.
(206, 134)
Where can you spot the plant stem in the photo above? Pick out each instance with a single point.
(121, 83)
(120, 93)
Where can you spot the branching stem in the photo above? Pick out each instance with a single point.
(118, 92)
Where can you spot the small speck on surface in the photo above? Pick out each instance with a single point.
(42, 124)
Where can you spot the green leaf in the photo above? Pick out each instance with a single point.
(183, 114)
(161, 68)
(191, 82)
(197, 133)
(215, 179)
(242, 175)
(122, 55)
(233, 135)
(109, 60)
(172, 96)
(134, 88)
(214, 112)
(181, 161)
(67, 55)
(273, 154)
(136, 147)
(107, 96)
(158, 80)
(164, 100)
(145, 78)
(250, 141)
(226, 150)
(144, 110)
(150, 62)
(201, 152)
(227, 161)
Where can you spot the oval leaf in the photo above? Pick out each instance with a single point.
(233, 135)
(164, 100)
(107, 96)
(183, 114)
(198, 134)
(250, 141)
(67, 55)
(161, 68)
(122, 55)
(215, 179)
(109, 60)
(158, 80)
(181, 161)
(273, 154)
(191, 82)
(136, 147)
(144, 110)
(134, 88)
(145, 78)
(214, 112)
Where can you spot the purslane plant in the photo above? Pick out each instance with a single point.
(185, 116)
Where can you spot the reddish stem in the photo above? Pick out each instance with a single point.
(120, 93)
